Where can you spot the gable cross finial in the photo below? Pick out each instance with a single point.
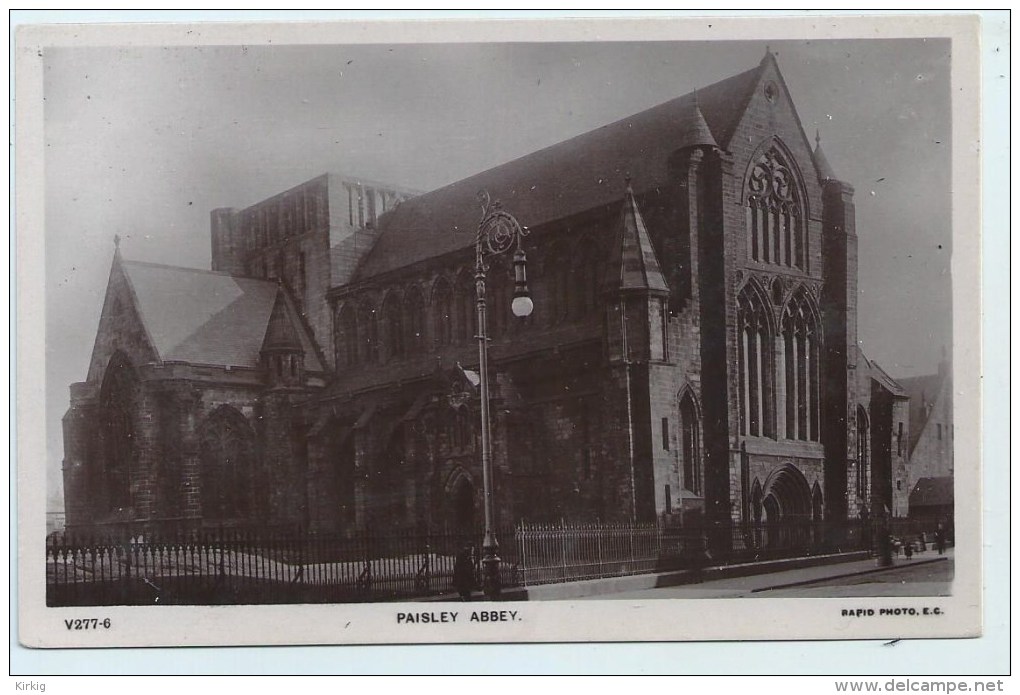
(818, 138)
(116, 241)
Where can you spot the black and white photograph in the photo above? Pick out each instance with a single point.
(429, 333)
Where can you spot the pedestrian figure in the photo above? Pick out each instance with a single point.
(908, 549)
(921, 543)
(464, 573)
(940, 539)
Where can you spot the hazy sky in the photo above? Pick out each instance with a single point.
(144, 142)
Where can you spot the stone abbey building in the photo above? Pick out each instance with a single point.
(692, 353)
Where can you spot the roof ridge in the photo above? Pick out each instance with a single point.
(674, 101)
(220, 273)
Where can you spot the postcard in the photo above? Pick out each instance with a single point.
(498, 331)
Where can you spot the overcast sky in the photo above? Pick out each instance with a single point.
(144, 142)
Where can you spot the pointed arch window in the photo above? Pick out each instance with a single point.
(348, 329)
(394, 323)
(755, 368)
(442, 311)
(368, 336)
(863, 455)
(775, 215)
(498, 303)
(582, 284)
(465, 309)
(799, 367)
(690, 444)
(414, 314)
(557, 275)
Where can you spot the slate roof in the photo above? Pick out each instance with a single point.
(921, 389)
(932, 492)
(576, 175)
(632, 263)
(204, 317)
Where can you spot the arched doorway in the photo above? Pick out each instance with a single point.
(461, 514)
(788, 508)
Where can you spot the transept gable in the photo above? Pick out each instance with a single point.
(121, 328)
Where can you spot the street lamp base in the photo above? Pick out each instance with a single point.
(490, 574)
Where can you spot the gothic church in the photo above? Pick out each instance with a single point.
(692, 353)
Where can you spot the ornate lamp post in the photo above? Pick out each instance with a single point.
(498, 232)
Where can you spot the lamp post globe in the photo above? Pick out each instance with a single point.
(522, 306)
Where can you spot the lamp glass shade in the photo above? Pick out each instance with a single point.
(522, 306)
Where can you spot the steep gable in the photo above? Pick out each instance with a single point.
(769, 112)
(121, 328)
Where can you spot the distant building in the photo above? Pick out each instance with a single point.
(54, 522)
(932, 432)
(883, 477)
(693, 350)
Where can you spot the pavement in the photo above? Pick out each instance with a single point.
(815, 576)
(926, 574)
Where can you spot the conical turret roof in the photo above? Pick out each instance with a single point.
(825, 172)
(695, 131)
(280, 332)
(633, 265)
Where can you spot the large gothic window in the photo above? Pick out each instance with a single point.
(690, 444)
(117, 407)
(414, 313)
(583, 285)
(347, 328)
(498, 304)
(393, 316)
(442, 312)
(775, 217)
(755, 354)
(799, 367)
(557, 276)
(466, 318)
(228, 466)
(368, 336)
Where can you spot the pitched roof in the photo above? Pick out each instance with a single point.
(932, 492)
(567, 178)
(923, 390)
(632, 263)
(876, 372)
(205, 317)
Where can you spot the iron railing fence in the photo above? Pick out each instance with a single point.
(247, 567)
(293, 566)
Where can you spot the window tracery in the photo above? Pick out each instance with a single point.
(775, 217)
